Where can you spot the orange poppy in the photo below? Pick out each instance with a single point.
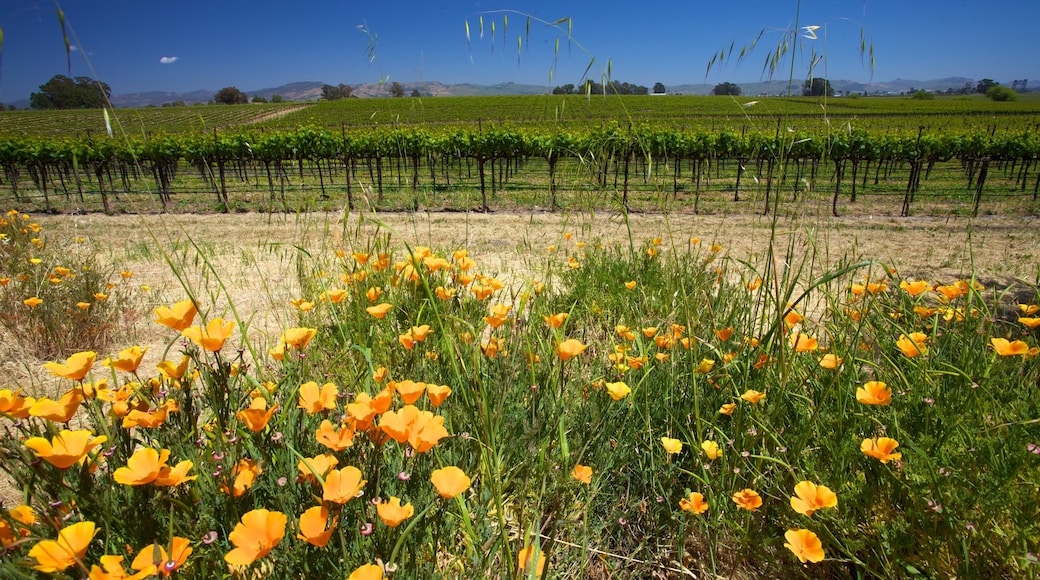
(257, 415)
(379, 310)
(912, 345)
(1003, 347)
(315, 527)
(449, 481)
(810, 497)
(314, 400)
(727, 408)
(342, 485)
(1029, 322)
(582, 473)
(333, 438)
(874, 393)
(802, 342)
(694, 504)
(438, 394)
(76, 366)
(555, 320)
(213, 336)
(747, 499)
(245, 472)
(298, 337)
(14, 404)
(409, 390)
(23, 515)
(179, 317)
(618, 390)
(128, 361)
(174, 371)
(153, 560)
(142, 468)
(569, 348)
(65, 449)
(914, 288)
(311, 468)
(804, 544)
(753, 396)
(256, 535)
(32, 301)
(527, 563)
(367, 572)
(830, 361)
(57, 555)
(393, 513)
(881, 448)
(60, 411)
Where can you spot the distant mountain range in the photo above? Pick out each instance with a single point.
(311, 91)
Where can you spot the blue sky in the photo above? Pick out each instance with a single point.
(145, 45)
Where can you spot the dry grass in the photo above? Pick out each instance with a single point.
(256, 255)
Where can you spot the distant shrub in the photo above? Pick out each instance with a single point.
(1001, 93)
(922, 96)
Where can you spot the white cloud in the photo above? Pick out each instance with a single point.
(168, 60)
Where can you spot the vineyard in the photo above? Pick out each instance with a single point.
(640, 153)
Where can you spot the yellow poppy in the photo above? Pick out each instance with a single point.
(367, 572)
(60, 411)
(437, 394)
(257, 415)
(379, 310)
(618, 390)
(14, 404)
(527, 563)
(753, 396)
(671, 446)
(333, 438)
(711, 449)
(32, 302)
(830, 361)
(912, 345)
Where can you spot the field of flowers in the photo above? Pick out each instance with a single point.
(648, 408)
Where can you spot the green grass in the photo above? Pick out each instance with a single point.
(703, 330)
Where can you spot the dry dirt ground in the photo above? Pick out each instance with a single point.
(255, 256)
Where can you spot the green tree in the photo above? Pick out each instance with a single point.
(983, 86)
(337, 92)
(1001, 93)
(567, 89)
(277, 99)
(416, 93)
(732, 89)
(259, 99)
(230, 96)
(396, 90)
(817, 87)
(659, 88)
(61, 92)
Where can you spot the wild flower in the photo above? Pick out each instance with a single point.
(582, 473)
(255, 535)
(393, 513)
(747, 499)
(874, 393)
(76, 366)
(810, 497)
(694, 504)
(67, 448)
(66, 551)
(449, 481)
(881, 448)
(805, 545)
(671, 446)
(912, 345)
